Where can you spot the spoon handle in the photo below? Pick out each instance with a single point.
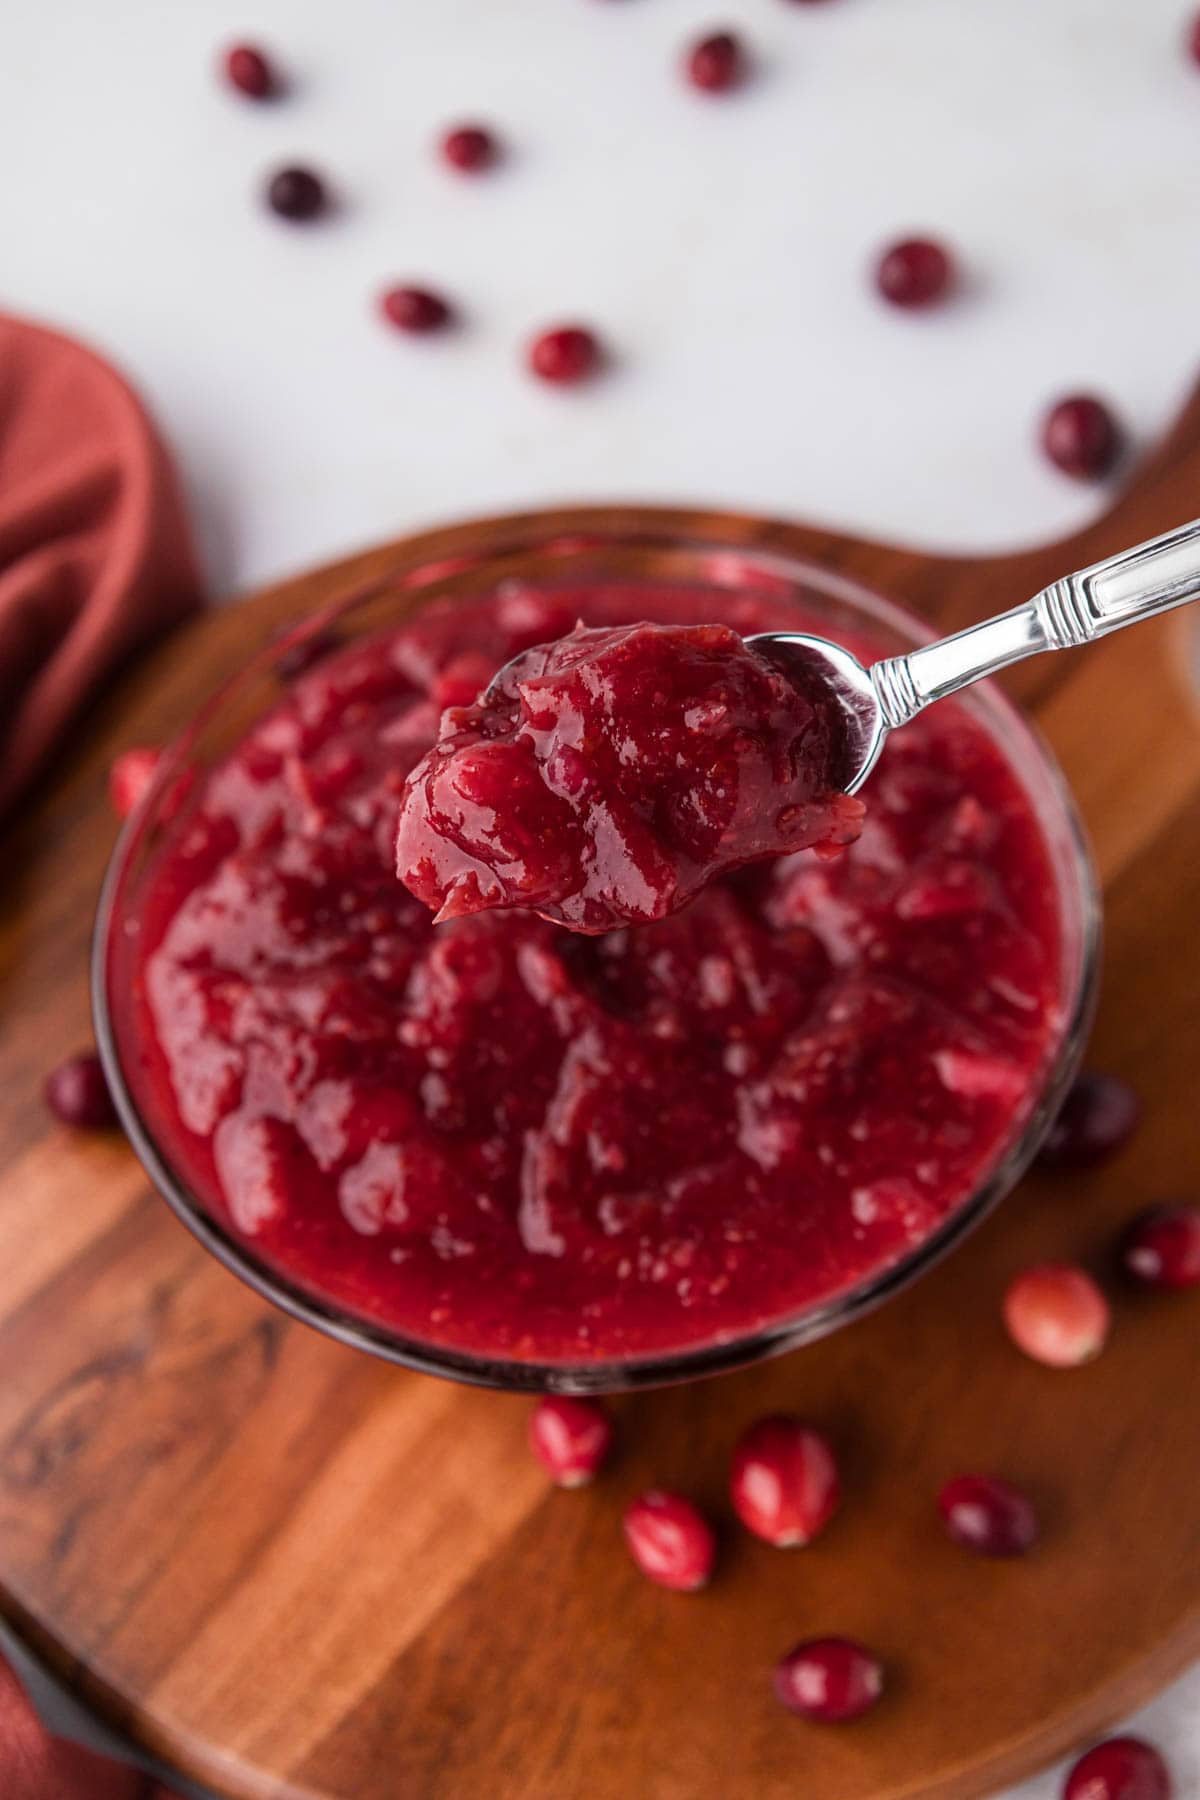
(1137, 584)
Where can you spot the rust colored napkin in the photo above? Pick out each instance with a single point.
(36, 1766)
(95, 555)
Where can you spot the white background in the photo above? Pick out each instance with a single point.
(718, 244)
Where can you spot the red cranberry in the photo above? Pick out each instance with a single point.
(830, 1679)
(469, 147)
(130, 776)
(1081, 437)
(1121, 1768)
(415, 309)
(1193, 39)
(296, 194)
(304, 653)
(1161, 1248)
(570, 1438)
(914, 272)
(716, 63)
(565, 354)
(987, 1515)
(1057, 1315)
(249, 71)
(77, 1093)
(670, 1541)
(784, 1481)
(1098, 1116)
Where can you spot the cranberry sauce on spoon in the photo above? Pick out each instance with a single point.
(509, 1139)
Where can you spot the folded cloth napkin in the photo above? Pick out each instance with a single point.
(95, 555)
(36, 1766)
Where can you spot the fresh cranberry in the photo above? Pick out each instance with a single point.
(565, 354)
(784, 1481)
(570, 1438)
(77, 1093)
(249, 71)
(914, 272)
(1057, 1315)
(1161, 1248)
(304, 653)
(469, 147)
(670, 1541)
(831, 1679)
(1193, 39)
(716, 63)
(296, 194)
(987, 1515)
(1098, 1116)
(130, 777)
(1081, 437)
(1121, 1768)
(415, 309)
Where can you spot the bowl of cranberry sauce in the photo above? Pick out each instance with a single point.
(502, 1150)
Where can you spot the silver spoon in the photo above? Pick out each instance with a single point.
(1137, 584)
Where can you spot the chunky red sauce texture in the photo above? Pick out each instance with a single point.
(604, 779)
(507, 1138)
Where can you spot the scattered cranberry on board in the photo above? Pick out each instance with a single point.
(1057, 1315)
(915, 273)
(249, 70)
(988, 1515)
(571, 1438)
(1161, 1247)
(716, 63)
(469, 148)
(784, 1481)
(130, 777)
(1081, 437)
(297, 194)
(1121, 1768)
(829, 1679)
(1098, 1117)
(564, 355)
(670, 1540)
(77, 1094)
(415, 310)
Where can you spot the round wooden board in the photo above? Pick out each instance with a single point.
(293, 1571)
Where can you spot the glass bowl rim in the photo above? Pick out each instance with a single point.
(543, 534)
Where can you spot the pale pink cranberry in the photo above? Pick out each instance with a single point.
(715, 63)
(565, 354)
(570, 1438)
(1081, 437)
(784, 1481)
(1098, 1116)
(915, 272)
(831, 1679)
(248, 70)
(469, 148)
(77, 1093)
(670, 1541)
(415, 309)
(1161, 1248)
(1121, 1768)
(1056, 1314)
(130, 777)
(297, 194)
(987, 1515)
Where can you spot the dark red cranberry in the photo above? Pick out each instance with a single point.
(914, 272)
(248, 70)
(302, 655)
(570, 1438)
(77, 1093)
(1081, 437)
(830, 1679)
(1161, 1248)
(470, 148)
(296, 194)
(987, 1515)
(1193, 39)
(1098, 1117)
(415, 309)
(671, 1542)
(565, 354)
(784, 1481)
(716, 63)
(1121, 1768)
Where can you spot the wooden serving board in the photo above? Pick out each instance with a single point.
(294, 1571)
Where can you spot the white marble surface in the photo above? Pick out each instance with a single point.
(719, 245)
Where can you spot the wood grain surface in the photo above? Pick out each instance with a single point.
(297, 1572)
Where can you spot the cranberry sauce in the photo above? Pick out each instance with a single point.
(511, 1139)
(607, 777)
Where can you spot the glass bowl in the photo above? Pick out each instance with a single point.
(614, 547)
